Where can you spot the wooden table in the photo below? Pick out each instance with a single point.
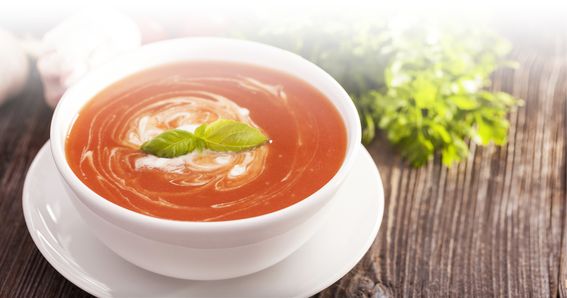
(494, 225)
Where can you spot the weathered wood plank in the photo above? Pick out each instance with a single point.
(24, 128)
(495, 225)
(492, 226)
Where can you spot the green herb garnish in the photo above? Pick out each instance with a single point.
(435, 98)
(221, 135)
(424, 83)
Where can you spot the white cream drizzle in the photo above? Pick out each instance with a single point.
(150, 117)
(187, 113)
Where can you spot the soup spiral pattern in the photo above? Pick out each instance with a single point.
(221, 170)
(103, 146)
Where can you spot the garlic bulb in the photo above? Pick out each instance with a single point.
(14, 66)
(80, 44)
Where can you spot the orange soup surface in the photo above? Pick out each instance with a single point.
(307, 141)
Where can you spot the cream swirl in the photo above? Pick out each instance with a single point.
(309, 141)
(226, 170)
(117, 129)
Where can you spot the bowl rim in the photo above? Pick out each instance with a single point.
(350, 118)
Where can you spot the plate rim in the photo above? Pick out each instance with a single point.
(73, 274)
(372, 236)
(68, 272)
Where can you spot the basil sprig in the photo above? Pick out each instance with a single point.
(221, 135)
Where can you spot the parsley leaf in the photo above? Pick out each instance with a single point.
(420, 80)
(434, 98)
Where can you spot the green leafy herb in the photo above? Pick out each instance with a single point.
(230, 135)
(434, 98)
(220, 135)
(172, 143)
(423, 82)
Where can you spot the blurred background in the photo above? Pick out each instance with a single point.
(418, 71)
(463, 105)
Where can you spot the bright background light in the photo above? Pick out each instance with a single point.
(37, 16)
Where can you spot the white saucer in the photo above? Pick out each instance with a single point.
(66, 242)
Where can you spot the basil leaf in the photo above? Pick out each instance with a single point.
(230, 135)
(200, 131)
(221, 135)
(171, 144)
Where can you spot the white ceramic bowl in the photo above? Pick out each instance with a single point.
(201, 250)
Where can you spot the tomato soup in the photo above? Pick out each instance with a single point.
(307, 141)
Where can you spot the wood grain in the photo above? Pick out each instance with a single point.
(495, 225)
(492, 226)
(24, 128)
